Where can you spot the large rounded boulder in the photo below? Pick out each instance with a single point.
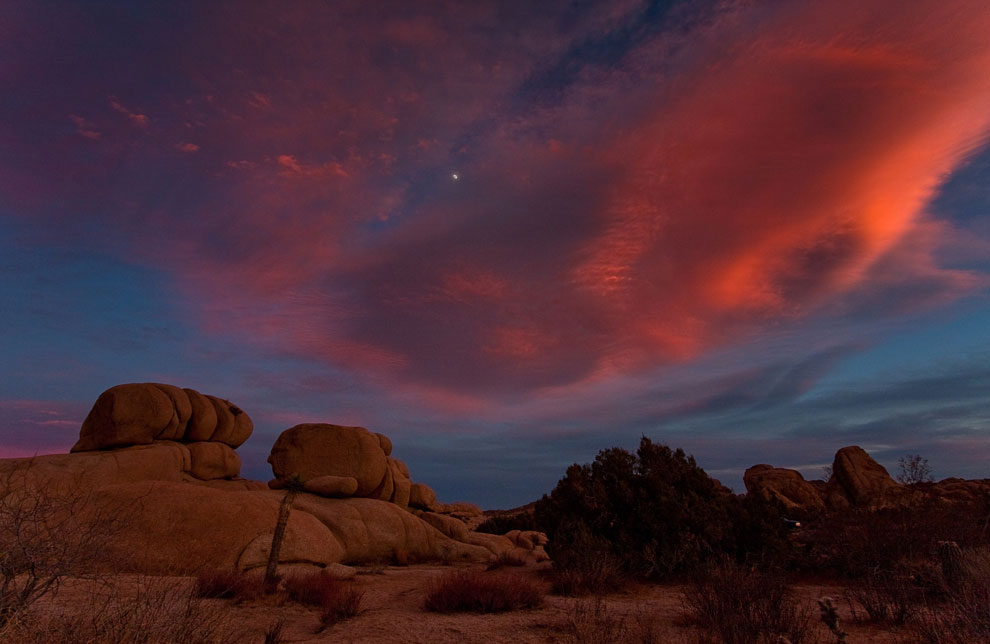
(860, 479)
(313, 450)
(784, 485)
(139, 413)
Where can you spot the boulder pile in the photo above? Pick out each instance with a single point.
(857, 481)
(162, 459)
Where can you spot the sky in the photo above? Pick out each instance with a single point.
(507, 234)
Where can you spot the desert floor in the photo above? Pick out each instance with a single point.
(392, 612)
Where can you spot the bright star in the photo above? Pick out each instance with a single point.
(454, 176)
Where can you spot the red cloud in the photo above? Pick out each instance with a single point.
(773, 162)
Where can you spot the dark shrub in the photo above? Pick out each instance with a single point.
(656, 511)
(962, 615)
(227, 584)
(734, 604)
(480, 592)
(342, 603)
(857, 543)
(502, 524)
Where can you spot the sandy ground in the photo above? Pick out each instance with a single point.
(392, 612)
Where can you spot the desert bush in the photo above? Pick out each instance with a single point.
(734, 604)
(478, 592)
(502, 524)
(217, 583)
(855, 543)
(160, 611)
(656, 511)
(504, 560)
(342, 603)
(587, 567)
(48, 531)
(311, 587)
(913, 469)
(591, 622)
(963, 615)
(336, 599)
(891, 596)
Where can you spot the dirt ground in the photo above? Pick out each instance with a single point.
(392, 612)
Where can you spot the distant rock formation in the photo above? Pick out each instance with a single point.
(784, 485)
(857, 481)
(164, 458)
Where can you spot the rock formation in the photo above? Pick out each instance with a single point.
(338, 461)
(784, 485)
(202, 430)
(857, 481)
(162, 460)
(860, 479)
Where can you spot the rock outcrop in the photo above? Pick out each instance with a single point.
(352, 456)
(160, 461)
(857, 482)
(784, 485)
(140, 413)
(860, 479)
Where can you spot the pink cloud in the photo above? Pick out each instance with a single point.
(136, 118)
(773, 163)
(187, 147)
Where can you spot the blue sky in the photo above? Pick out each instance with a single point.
(759, 233)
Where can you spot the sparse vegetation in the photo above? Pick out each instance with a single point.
(655, 511)
(963, 615)
(227, 584)
(160, 611)
(478, 592)
(913, 469)
(47, 533)
(588, 568)
(502, 524)
(591, 622)
(734, 604)
(337, 599)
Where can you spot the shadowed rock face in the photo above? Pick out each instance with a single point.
(787, 486)
(139, 413)
(864, 481)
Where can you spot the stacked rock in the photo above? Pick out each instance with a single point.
(338, 461)
(208, 427)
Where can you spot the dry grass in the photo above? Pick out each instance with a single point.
(963, 616)
(161, 611)
(596, 574)
(227, 584)
(736, 605)
(49, 532)
(343, 603)
(591, 622)
(482, 593)
(337, 600)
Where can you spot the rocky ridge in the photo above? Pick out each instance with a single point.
(857, 482)
(165, 459)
